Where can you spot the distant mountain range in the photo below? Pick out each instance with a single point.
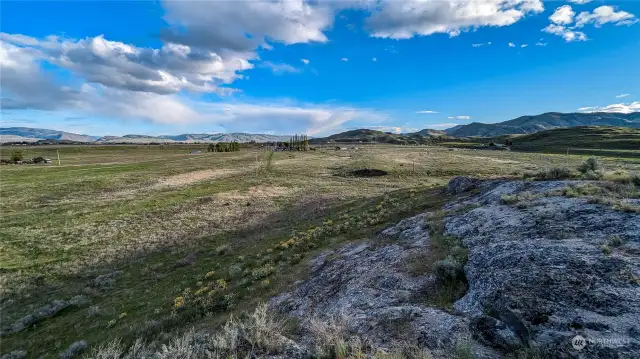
(545, 121)
(25, 134)
(520, 125)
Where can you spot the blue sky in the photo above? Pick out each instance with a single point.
(114, 68)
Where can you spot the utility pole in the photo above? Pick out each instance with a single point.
(58, 153)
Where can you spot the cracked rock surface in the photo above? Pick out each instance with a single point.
(537, 276)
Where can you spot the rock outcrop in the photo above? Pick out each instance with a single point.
(541, 274)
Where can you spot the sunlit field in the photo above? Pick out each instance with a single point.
(119, 236)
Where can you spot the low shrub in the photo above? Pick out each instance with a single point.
(615, 240)
(449, 270)
(74, 350)
(555, 173)
(591, 175)
(222, 249)
(16, 354)
(590, 165)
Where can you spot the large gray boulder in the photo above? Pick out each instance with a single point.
(367, 286)
(544, 268)
(539, 277)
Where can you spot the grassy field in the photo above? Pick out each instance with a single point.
(134, 241)
(595, 141)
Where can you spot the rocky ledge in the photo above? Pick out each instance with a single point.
(544, 271)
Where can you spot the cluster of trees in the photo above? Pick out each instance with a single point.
(508, 142)
(223, 147)
(296, 143)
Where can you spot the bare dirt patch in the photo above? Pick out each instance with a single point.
(368, 172)
(195, 176)
(258, 192)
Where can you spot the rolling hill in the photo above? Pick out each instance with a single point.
(590, 137)
(587, 140)
(545, 121)
(373, 136)
(34, 134)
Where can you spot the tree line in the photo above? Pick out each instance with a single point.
(223, 147)
(296, 143)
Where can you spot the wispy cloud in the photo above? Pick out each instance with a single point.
(524, 45)
(623, 95)
(459, 117)
(541, 44)
(305, 61)
(374, 59)
(441, 125)
(392, 129)
(344, 59)
(567, 34)
(279, 68)
(481, 44)
(511, 44)
(427, 112)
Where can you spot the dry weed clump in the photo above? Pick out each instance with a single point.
(47, 311)
(619, 196)
(260, 335)
(74, 350)
(554, 173)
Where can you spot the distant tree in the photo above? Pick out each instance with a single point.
(306, 143)
(226, 147)
(299, 143)
(17, 156)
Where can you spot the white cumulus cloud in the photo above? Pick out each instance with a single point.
(216, 25)
(618, 107)
(26, 86)
(305, 61)
(605, 15)
(511, 44)
(567, 34)
(166, 70)
(563, 15)
(405, 19)
(344, 59)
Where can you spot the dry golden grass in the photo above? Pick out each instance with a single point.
(159, 215)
